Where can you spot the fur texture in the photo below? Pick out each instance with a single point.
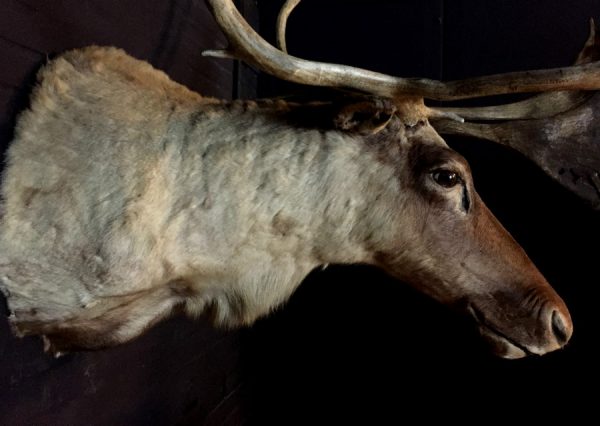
(126, 195)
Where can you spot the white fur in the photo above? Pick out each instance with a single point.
(125, 195)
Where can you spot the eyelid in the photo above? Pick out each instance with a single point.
(448, 169)
(451, 167)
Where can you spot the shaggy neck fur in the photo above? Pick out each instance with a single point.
(126, 195)
(267, 204)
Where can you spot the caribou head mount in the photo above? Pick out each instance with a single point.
(126, 197)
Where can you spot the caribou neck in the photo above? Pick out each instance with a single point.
(311, 194)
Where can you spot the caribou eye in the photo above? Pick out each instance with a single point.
(446, 178)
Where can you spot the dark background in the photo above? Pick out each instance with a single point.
(351, 344)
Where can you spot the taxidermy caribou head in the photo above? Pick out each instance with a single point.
(127, 196)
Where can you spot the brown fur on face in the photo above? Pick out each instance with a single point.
(463, 257)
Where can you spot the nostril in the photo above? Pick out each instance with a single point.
(559, 328)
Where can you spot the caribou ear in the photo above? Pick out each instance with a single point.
(365, 118)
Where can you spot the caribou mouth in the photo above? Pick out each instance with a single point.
(501, 344)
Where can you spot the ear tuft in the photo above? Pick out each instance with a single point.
(366, 118)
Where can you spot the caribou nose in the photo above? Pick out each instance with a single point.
(561, 326)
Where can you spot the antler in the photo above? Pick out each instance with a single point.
(247, 45)
(284, 14)
(557, 131)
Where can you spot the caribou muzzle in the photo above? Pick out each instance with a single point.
(519, 314)
(538, 324)
(463, 256)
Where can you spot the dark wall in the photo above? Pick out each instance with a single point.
(352, 344)
(181, 372)
(362, 347)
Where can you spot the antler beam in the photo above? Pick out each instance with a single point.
(247, 45)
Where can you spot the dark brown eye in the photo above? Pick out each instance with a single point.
(446, 178)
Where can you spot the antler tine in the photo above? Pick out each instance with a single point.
(247, 45)
(284, 14)
(591, 48)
